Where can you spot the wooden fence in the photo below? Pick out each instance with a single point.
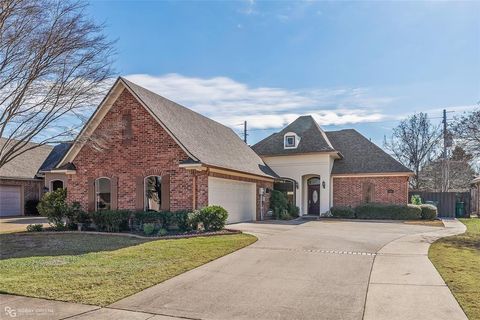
(446, 201)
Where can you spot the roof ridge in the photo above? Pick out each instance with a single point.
(173, 102)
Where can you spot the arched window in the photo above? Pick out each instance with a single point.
(315, 181)
(153, 193)
(56, 184)
(103, 194)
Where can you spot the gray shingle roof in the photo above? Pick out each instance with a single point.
(55, 156)
(312, 139)
(360, 155)
(26, 165)
(208, 141)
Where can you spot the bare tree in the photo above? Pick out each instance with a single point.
(414, 143)
(53, 65)
(461, 172)
(466, 129)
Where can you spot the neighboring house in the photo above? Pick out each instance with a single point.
(20, 181)
(338, 168)
(140, 151)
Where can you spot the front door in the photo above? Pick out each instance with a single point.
(314, 199)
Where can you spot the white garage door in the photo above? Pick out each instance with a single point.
(237, 197)
(10, 201)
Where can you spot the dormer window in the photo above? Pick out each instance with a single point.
(291, 140)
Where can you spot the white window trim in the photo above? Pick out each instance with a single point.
(95, 186)
(52, 181)
(296, 142)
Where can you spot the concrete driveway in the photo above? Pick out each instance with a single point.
(20, 223)
(310, 270)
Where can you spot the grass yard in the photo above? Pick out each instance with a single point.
(101, 269)
(457, 259)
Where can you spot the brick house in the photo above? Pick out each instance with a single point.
(319, 169)
(141, 151)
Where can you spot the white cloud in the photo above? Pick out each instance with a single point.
(231, 102)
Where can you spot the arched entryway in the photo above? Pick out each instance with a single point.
(313, 196)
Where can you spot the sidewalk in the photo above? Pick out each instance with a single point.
(404, 284)
(18, 307)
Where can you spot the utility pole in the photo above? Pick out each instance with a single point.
(245, 134)
(445, 173)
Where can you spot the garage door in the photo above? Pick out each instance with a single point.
(236, 196)
(10, 201)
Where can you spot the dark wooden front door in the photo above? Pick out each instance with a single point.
(314, 199)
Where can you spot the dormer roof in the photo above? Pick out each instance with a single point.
(312, 139)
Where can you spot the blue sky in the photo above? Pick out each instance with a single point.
(362, 65)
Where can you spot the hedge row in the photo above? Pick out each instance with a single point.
(212, 218)
(385, 211)
(63, 216)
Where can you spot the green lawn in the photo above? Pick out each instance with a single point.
(99, 269)
(457, 259)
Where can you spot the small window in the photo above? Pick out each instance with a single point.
(56, 184)
(103, 194)
(290, 141)
(153, 193)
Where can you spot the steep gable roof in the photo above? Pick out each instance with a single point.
(26, 165)
(312, 139)
(55, 156)
(204, 140)
(360, 155)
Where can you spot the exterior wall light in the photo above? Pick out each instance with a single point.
(323, 184)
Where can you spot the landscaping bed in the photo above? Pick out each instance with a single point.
(101, 269)
(457, 259)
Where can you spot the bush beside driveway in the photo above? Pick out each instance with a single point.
(101, 269)
(457, 259)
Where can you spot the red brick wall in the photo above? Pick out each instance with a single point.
(149, 150)
(349, 191)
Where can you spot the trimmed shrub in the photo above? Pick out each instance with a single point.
(213, 218)
(285, 216)
(429, 212)
(278, 203)
(31, 208)
(34, 228)
(162, 232)
(76, 215)
(415, 199)
(194, 219)
(111, 220)
(54, 206)
(388, 211)
(293, 211)
(182, 220)
(148, 228)
(342, 212)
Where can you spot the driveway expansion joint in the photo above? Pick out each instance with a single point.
(340, 252)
